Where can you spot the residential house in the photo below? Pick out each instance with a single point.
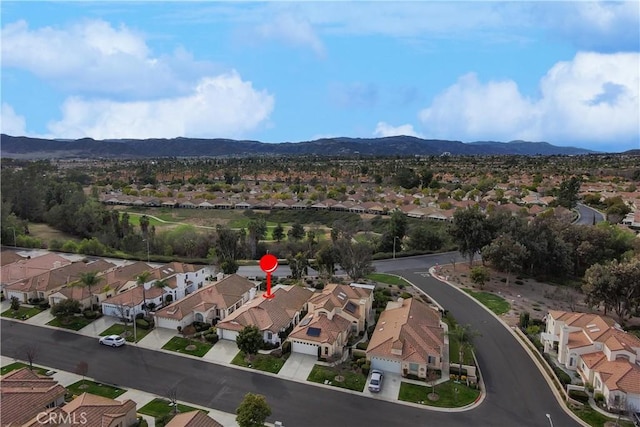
(44, 284)
(130, 303)
(598, 349)
(334, 314)
(9, 257)
(273, 316)
(408, 339)
(193, 419)
(209, 304)
(24, 394)
(182, 279)
(21, 269)
(91, 410)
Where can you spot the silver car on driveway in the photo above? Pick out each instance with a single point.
(375, 383)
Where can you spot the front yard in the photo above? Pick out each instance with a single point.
(74, 323)
(87, 386)
(188, 346)
(125, 332)
(337, 377)
(18, 365)
(23, 313)
(450, 394)
(158, 408)
(261, 362)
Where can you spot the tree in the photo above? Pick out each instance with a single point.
(298, 265)
(470, 231)
(614, 285)
(568, 192)
(296, 232)
(66, 308)
(227, 250)
(257, 231)
(172, 395)
(463, 335)
(140, 281)
(253, 411)
(249, 340)
(30, 352)
(505, 254)
(425, 238)
(479, 275)
(326, 261)
(89, 280)
(278, 232)
(15, 304)
(354, 258)
(396, 230)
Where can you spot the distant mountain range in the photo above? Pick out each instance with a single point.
(20, 147)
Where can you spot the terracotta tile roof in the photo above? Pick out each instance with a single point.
(119, 276)
(578, 339)
(222, 294)
(272, 314)
(25, 268)
(591, 359)
(98, 410)
(329, 329)
(134, 296)
(193, 419)
(58, 277)
(334, 295)
(9, 257)
(620, 375)
(78, 293)
(23, 394)
(412, 329)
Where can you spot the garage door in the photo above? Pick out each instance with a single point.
(385, 365)
(226, 334)
(304, 348)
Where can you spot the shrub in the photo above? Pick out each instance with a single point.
(141, 323)
(533, 330)
(405, 295)
(201, 326)
(212, 338)
(362, 345)
(386, 292)
(413, 377)
(579, 395)
(358, 353)
(524, 319)
(286, 347)
(90, 314)
(598, 397)
(44, 305)
(366, 368)
(562, 375)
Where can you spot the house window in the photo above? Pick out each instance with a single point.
(326, 351)
(269, 335)
(571, 360)
(199, 317)
(431, 360)
(413, 367)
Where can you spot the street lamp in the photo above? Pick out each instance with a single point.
(549, 417)
(394, 246)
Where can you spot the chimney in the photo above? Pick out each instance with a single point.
(330, 315)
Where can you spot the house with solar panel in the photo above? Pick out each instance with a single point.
(333, 315)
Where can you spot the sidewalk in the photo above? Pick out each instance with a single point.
(140, 397)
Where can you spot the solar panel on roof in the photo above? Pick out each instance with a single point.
(314, 332)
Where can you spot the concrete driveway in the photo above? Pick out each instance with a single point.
(390, 387)
(98, 326)
(222, 352)
(157, 338)
(298, 367)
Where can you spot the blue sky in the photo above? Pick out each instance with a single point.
(563, 72)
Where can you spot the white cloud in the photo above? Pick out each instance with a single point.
(10, 122)
(384, 129)
(593, 98)
(94, 57)
(223, 106)
(293, 30)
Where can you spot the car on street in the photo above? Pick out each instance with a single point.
(375, 383)
(112, 340)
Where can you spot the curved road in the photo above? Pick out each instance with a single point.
(588, 215)
(517, 394)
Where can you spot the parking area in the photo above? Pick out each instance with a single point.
(390, 387)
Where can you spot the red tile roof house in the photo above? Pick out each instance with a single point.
(182, 279)
(209, 304)
(409, 338)
(272, 316)
(130, 303)
(45, 284)
(24, 268)
(24, 394)
(599, 350)
(193, 419)
(334, 314)
(90, 410)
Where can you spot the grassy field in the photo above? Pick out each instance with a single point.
(493, 302)
(450, 394)
(18, 365)
(179, 345)
(87, 386)
(74, 323)
(352, 380)
(388, 279)
(134, 219)
(160, 407)
(119, 329)
(46, 233)
(261, 362)
(22, 313)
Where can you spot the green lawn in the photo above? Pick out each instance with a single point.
(352, 380)
(595, 418)
(447, 396)
(17, 365)
(73, 323)
(179, 344)
(134, 219)
(388, 279)
(87, 386)
(160, 407)
(119, 329)
(493, 302)
(261, 362)
(22, 313)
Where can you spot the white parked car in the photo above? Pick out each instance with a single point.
(112, 340)
(375, 383)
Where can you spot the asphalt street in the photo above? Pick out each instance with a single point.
(588, 215)
(517, 394)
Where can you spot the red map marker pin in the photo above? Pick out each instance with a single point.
(268, 264)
